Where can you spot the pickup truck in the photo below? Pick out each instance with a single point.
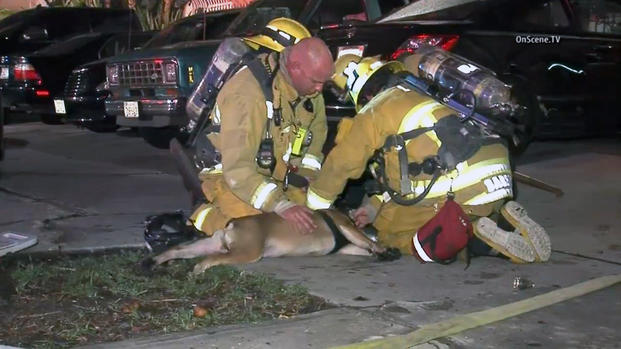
(149, 88)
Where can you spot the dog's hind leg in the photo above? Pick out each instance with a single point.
(202, 247)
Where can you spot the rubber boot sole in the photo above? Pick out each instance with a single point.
(510, 244)
(534, 233)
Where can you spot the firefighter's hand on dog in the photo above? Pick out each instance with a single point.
(300, 217)
(363, 215)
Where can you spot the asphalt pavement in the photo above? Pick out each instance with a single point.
(81, 191)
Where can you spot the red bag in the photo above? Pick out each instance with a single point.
(444, 235)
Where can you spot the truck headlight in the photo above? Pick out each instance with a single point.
(112, 73)
(170, 73)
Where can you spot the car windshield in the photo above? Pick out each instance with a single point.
(257, 15)
(17, 18)
(197, 27)
(69, 45)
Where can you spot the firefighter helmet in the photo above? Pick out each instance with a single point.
(279, 33)
(363, 77)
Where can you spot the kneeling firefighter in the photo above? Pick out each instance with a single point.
(437, 171)
(232, 55)
(266, 131)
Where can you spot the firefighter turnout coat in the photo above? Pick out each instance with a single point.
(237, 186)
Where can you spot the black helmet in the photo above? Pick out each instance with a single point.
(165, 230)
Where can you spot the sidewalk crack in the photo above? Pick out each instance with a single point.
(35, 199)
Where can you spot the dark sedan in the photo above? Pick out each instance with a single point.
(82, 100)
(21, 83)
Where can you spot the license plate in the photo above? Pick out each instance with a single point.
(130, 109)
(357, 50)
(59, 106)
(4, 73)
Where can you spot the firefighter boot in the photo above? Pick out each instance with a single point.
(534, 233)
(510, 244)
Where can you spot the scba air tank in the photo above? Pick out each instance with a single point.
(455, 75)
(224, 63)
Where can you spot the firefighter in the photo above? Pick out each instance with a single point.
(270, 138)
(396, 126)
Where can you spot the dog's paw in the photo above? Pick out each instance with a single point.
(199, 269)
(390, 254)
(147, 264)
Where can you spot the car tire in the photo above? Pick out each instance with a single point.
(158, 137)
(527, 123)
(51, 119)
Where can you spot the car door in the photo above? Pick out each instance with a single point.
(597, 27)
(567, 62)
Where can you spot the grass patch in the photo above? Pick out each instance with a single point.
(85, 300)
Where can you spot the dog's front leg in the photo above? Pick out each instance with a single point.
(357, 238)
(201, 247)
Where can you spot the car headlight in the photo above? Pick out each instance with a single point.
(112, 74)
(170, 73)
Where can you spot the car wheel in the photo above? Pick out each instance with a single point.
(526, 123)
(51, 119)
(158, 137)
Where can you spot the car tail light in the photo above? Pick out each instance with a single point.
(112, 74)
(42, 93)
(25, 72)
(446, 42)
(170, 73)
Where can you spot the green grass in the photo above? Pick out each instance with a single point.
(97, 299)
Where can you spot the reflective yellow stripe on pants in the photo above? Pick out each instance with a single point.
(199, 215)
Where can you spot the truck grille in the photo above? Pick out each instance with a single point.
(78, 83)
(145, 73)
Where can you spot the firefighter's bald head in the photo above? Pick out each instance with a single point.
(309, 64)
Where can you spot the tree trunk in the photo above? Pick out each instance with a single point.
(166, 8)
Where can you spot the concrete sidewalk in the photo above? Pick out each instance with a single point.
(80, 191)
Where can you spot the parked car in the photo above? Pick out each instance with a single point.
(63, 38)
(562, 57)
(81, 102)
(157, 105)
(160, 75)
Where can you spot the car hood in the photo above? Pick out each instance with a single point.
(179, 49)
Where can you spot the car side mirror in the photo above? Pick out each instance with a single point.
(34, 34)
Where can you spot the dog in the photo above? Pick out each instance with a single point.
(248, 239)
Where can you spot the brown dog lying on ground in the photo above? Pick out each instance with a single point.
(248, 239)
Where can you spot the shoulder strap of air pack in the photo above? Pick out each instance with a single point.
(263, 76)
